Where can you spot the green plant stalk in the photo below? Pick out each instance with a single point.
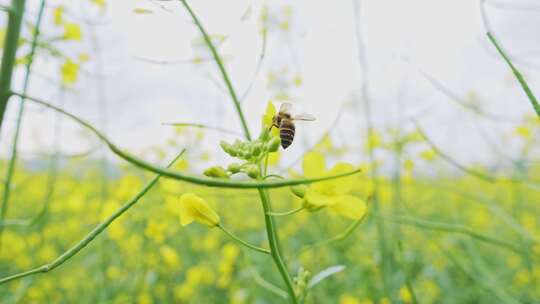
(211, 182)
(517, 73)
(275, 249)
(221, 67)
(340, 237)
(11, 41)
(425, 224)
(20, 113)
(239, 240)
(90, 236)
(382, 242)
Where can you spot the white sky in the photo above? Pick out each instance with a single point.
(442, 38)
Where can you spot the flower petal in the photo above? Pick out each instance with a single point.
(314, 200)
(314, 165)
(350, 206)
(342, 185)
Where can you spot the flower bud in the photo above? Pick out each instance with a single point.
(225, 145)
(256, 149)
(273, 144)
(216, 171)
(252, 171)
(299, 190)
(265, 134)
(234, 168)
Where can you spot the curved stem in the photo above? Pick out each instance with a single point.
(293, 211)
(221, 67)
(211, 182)
(90, 236)
(239, 240)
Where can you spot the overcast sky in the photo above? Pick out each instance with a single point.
(404, 40)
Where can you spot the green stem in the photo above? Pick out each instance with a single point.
(89, 237)
(370, 133)
(211, 182)
(15, 144)
(275, 249)
(221, 67)
(287, 212)
(239, 240)
(519, 77)
(11, 41)
(455, 228)
(343, 235)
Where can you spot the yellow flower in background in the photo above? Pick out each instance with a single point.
(70, 72)
(58, 15)
(72, 31)
(100, 3)
(331, 193)
(194, 208)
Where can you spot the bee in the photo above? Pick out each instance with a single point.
(284, 121)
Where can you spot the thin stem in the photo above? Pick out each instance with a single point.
(293, 211)
(519, 77)
(211, 182)
(5, 8)
(275, 249)
(201, 126)
(370, 133)
(340, 237)
(20, 114)
(9, 54)
(477, 174)
(421, 223)
(90, 236)
(239, 240)
(221, 67)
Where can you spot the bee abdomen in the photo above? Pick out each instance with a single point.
(286, 133)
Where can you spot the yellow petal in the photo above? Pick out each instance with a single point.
(342, 185)
(314, 165)
(70, 72)
(196, 208)
(350, 206)
(72, 31)
(58, 15)
(314, 200)
(268, 115)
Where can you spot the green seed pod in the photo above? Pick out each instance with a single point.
(299, 190)
(273, 144)
(216, 171)
(252, 171)
(234, 168)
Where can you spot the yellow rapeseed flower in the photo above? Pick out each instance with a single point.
(58, 15)
(72, 31)
(70, 72)
(331, 193)
(194, 208)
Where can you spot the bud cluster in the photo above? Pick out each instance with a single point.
(252, 152)
(301, 281)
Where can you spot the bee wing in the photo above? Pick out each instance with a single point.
(285, 107)
(304, 116)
